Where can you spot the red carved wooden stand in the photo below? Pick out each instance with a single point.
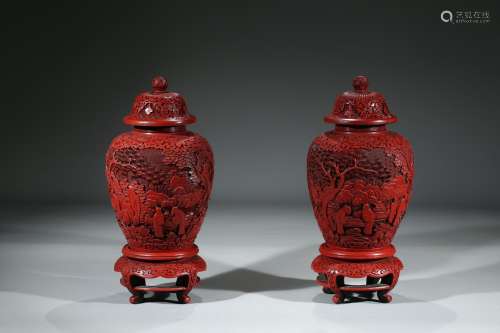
(381, 276)
(134, 273)
(360, 178)
(159, 179)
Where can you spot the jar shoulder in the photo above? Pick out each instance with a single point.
(183, 149)
(341, 141)
(165, 141)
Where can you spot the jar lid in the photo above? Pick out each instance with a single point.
(360, 107)
(159, 108)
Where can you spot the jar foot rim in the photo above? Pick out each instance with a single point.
(356, 254)
(161, 255)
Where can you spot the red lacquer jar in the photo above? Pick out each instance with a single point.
(360, 177)
(159, 179)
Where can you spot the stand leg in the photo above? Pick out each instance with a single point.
(131, 282)
(323, 280)
(136, 299)
(384, 297)
(335, 282)
(337, 299)
(390, 279)
(188, 282)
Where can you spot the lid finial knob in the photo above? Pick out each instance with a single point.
(159, 84)
(360, 84)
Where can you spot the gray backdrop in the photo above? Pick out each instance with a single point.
(259, 77)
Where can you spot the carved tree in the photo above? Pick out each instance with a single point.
(335, 184)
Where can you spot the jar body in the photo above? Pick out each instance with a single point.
(359, 183)
(159, 183)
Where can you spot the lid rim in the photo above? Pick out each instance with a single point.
(130, 120)
(334, 119)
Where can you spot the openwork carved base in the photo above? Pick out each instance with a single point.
(381, 277)
(135, 272)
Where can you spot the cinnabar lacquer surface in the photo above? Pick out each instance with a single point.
(159, 180)
(360, 178)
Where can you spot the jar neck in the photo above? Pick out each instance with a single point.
(356, 129)
(162, 129)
